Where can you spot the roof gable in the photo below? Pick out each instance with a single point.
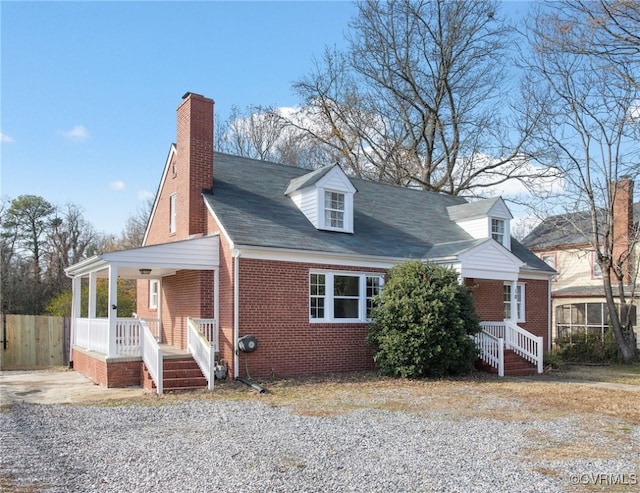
(494, 207)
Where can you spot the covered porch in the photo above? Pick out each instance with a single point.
(493, 274)
(107, 349)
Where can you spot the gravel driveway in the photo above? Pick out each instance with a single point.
(246, 446)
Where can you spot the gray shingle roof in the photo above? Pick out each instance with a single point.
(308, 179)
(565, 230)
(249, 199)
(472, 210)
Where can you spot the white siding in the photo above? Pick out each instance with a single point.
(477, 228)
(490, 261)
(307, 201)
(500, 211)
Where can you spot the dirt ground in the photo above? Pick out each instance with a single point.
(56, 386)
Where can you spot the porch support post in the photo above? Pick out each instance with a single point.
(76, 303)
(113, 309)
(92, 296)
(514, 301)
(159, 310)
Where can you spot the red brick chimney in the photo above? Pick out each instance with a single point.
(622, 200)
(194, 161)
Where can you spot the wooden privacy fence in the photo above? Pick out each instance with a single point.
(33, 341)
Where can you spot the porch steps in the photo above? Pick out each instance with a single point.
(179, 374)
(514, 365)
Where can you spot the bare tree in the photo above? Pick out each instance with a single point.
(133, 234)
(69, 238)
(421, 98)
(589, 121)
(266, 133)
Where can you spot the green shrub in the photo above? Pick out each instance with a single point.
(421, 323)
(588, 348)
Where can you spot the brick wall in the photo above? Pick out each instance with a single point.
(185, 294)
(537, 308)
(274, 307)
(487, 296)
(125, 373)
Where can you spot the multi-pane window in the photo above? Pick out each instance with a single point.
(154, 286)
(342, 296)
(373, 289)
(497, 230)
(317, 292)
(172, 213)
(519, 301)
(576, 320)
(334, 209)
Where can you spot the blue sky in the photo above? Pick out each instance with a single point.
(89, 89)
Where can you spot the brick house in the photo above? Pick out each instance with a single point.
(293, 257)
(577, 293)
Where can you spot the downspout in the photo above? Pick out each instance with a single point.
(236, 310)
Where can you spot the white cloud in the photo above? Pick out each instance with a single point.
(144, 195)
(5, 138)
(78, 133)
(117, 185)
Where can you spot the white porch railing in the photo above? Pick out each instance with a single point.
(128, 336)
(151, 355)
(491, 350)
(525, 344)
(202, 343)
(522, 342)
(93, 334)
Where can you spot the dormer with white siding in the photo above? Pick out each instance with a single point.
(325, 197)
(484, 219)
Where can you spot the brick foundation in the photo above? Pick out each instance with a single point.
(109, 373)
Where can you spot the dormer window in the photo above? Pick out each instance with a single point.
(488, 218)
(325, 197)
(497, 230)
(334, 209)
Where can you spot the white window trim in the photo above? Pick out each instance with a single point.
(154, 294)
(347, 217)
(329, 296)
(172, 212)
(493, 232)
(521, 312)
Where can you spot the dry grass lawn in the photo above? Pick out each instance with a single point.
(610, 391)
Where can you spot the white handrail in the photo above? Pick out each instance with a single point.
(154, 327)
(202, 350)
(491, 350)
(151, 355)
(525, 344)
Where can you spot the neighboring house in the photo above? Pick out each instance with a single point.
(577, 293)
(293, 257)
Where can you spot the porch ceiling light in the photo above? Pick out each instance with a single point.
(145, 272)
